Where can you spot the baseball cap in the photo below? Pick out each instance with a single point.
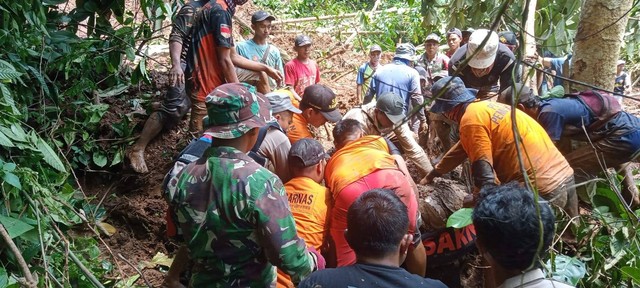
(508, 38)
(323, 99)
(375, 47)
(433, 37)
(422, 72)
(485, 55)
(308, 151)
(392, 106)
(454, 31)
(280, 101)
(468, 32)
(233, 109)
(260, 16)
(523, 92)
(405, 51)
(454, 93)
(620, 62)
(302, 40)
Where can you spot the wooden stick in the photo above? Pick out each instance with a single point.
(30, 282)
(326, 32)
(137, 270)
(244, 24)
(329, 17)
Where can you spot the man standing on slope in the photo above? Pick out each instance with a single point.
(212, 56)
(366, 70)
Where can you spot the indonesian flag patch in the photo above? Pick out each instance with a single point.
(225, 30)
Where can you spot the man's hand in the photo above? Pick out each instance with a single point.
(429, 178)
(176, 76)
(275, 75)
(533, 59)
(424, 127)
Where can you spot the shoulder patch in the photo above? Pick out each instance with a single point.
(225, 30)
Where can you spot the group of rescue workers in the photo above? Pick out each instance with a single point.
(257, 192)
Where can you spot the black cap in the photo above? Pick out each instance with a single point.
(260, 16)
(307, 151)
(302, 40)
(323, 99)
(508, 38)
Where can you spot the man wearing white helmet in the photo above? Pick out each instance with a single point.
(488, 64)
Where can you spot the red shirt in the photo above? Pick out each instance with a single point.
(211, 29)
(300, 75)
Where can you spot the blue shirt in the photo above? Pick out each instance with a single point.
(362, 275)
(252, 51)
(399, 78)
(556, 65)
(555, 113)
(626, 128)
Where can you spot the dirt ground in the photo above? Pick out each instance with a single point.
(134, 202)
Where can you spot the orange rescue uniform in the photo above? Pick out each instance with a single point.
(486, 134)
(308, 203)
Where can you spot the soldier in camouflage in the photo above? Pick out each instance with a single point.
(233, 212)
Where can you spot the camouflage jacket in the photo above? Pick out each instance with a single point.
(237, 222)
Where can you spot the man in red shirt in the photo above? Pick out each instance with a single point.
(301, 72)
(212, 56)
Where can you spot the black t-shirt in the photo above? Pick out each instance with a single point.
(366, 276)
(502, 70)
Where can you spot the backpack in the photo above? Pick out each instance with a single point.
(261, 134)
(602, 106)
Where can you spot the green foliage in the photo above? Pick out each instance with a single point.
(611, 244)
(460, 218)
(51, 84)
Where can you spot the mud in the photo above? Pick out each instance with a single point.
(438, 201)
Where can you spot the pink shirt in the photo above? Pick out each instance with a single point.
(300, 75)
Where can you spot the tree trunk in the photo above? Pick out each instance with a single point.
(597, 42)
(530, 44)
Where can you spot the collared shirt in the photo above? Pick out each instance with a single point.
(301, 75)
(237, 222)
(308, 201)
(532, 279)
(399, 78)
(181, 27)
(364, 75)
(555, 113)
(486, 133)
(439, 63)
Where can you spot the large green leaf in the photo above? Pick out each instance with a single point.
(50, 156)
(12, 179)
(568, 269)
(14, 227)
(632, 272)
(460, 218)
(8, 99)
(5, 141)
(8, 74)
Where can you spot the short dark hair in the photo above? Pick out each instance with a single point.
(508, 226)
(344, 128)
(376, 223)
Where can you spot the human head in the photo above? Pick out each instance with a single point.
(486, 55)
(465, 36)
(405, 51)
(389, 111)
(261, 24)
(508, 226)
(377, 226)
(454, 37)
(307, 158)
(302, 46)
(281, 107)
(319, 105)
(374, 54)
(235, 109)
(346, 131)
(620, 66)
(509, 39)
(431, 44)
(527, 100)
(450, 95)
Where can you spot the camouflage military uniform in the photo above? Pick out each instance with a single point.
(234, 212)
